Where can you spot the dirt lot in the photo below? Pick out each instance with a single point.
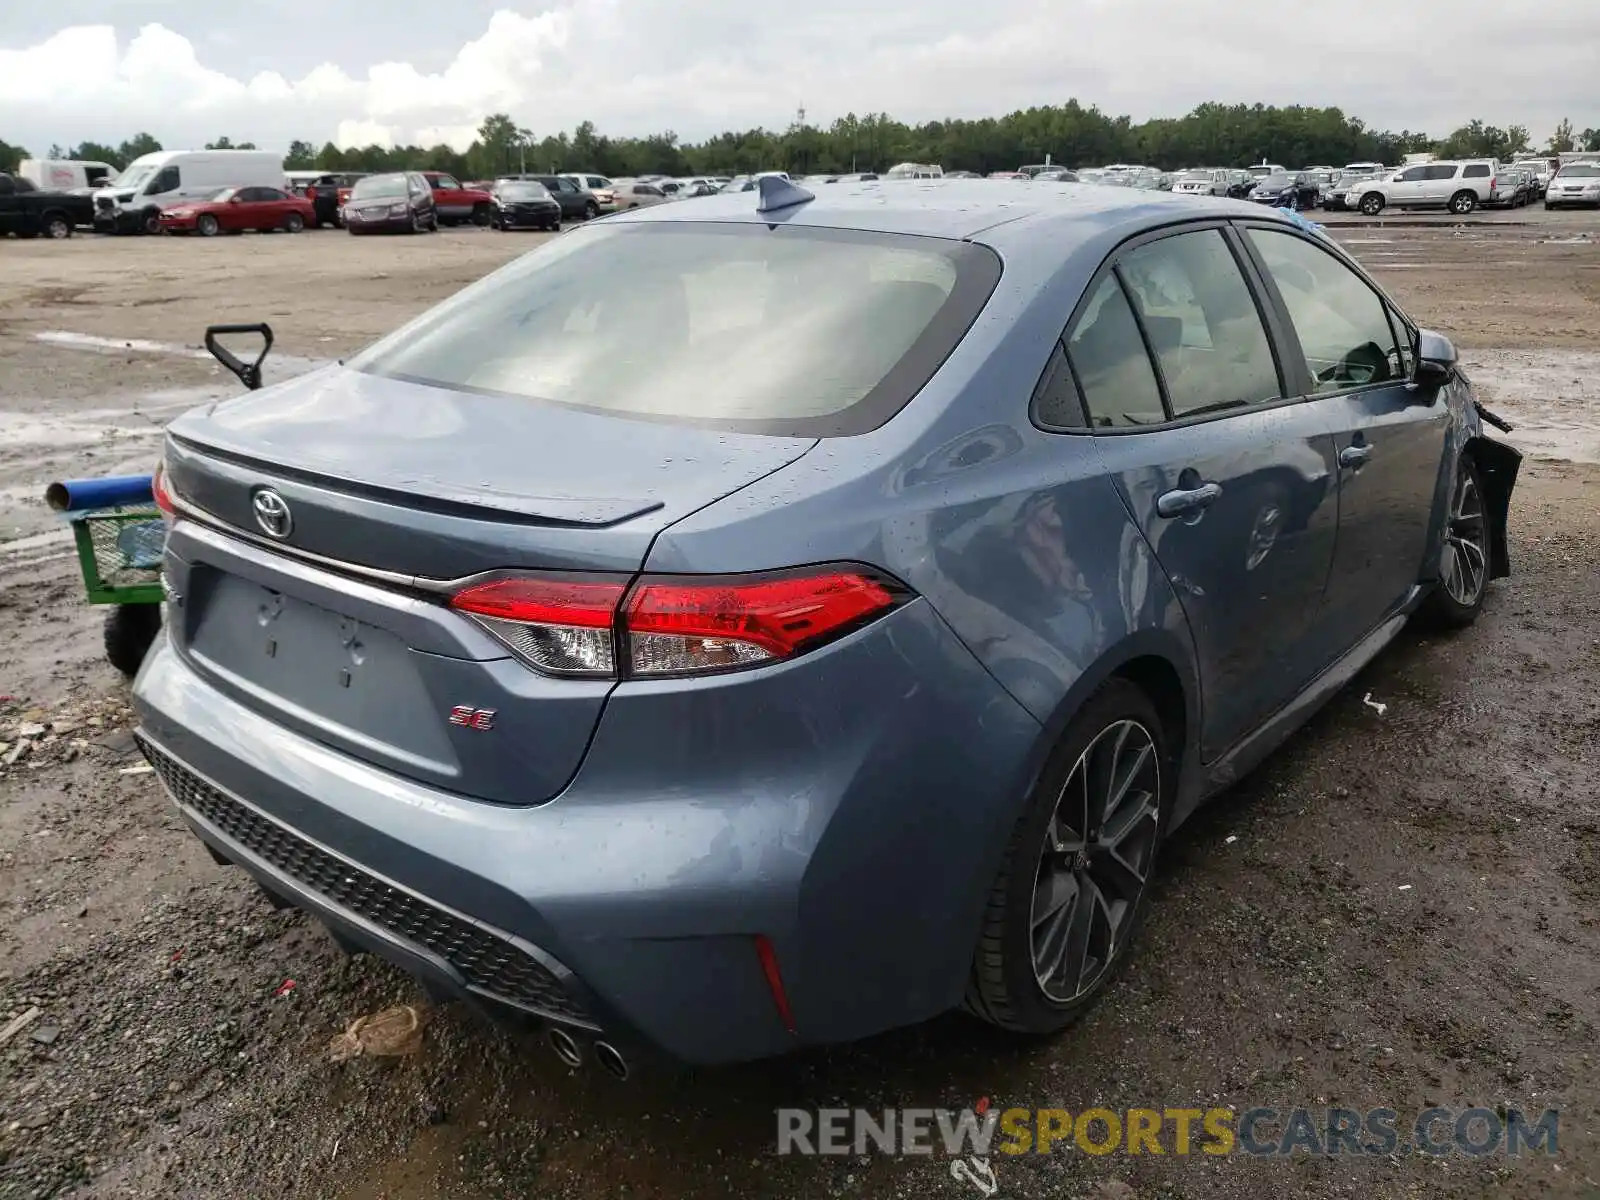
(1398, 910)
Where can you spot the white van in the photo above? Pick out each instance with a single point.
(156, 181)
(65, 174)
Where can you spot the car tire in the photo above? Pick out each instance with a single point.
(130, 630)
(591, 210)
(294, 223)
(57, 226)
(150, 221)
(1372, 204)
(1464, 557)
(482, 214)
(1548, 207)
(1463, 202)
(1116, 735)
(433, 222)
(207, 225)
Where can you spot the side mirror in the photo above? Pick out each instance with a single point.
(1436, 358)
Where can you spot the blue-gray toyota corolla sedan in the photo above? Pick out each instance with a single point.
(770, 620)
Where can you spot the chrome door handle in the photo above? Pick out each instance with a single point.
(1183, 501)
(1354, 456)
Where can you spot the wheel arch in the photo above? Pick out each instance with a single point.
(1162, 665)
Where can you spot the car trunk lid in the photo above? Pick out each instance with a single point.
(336, 624)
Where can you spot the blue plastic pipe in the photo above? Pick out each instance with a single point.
(81, 495)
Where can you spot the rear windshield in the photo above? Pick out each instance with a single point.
(379, 185)
(807, 332)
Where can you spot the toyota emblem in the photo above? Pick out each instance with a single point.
(272, 513)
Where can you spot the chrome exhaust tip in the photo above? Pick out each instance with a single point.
(611, 1060)
(566, 1047)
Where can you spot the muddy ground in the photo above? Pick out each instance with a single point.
(1398, 910)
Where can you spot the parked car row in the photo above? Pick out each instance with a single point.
(211, 192)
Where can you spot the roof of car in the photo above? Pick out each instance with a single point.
(952, 208)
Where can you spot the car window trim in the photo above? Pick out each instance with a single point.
(1290, 333)
(1059, 346)
(1149, 348)
(1265, 311)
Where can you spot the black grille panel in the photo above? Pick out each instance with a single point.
(490, 964)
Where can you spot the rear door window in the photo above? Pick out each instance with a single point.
(1202, 323)
(1109, 358)
(1441, 171)
(791, 330)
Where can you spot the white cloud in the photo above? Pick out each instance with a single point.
(700, 66)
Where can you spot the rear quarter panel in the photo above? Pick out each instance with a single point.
(1014, 536)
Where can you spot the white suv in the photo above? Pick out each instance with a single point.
(1459, 186)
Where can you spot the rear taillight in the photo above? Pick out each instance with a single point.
(685, 625)
(557, 626)
(162, 491)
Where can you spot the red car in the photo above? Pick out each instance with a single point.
(233, 210)
(455, 203)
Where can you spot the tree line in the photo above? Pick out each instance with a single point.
(1071, 134)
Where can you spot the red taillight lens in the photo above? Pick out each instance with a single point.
(677, 626)
(558, 626)
(769, 968)
(162, 492)
(674, 626)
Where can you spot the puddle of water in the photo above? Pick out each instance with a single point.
(279, 366)
(88, 341)
(48, 429)
(49, 540)
(1552, 397)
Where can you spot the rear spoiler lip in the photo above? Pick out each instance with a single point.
(444, 500)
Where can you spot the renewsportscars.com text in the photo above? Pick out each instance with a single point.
(1260, 1132)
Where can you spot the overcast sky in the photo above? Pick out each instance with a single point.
(359, 71)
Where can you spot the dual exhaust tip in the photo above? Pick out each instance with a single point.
(570, 1052)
